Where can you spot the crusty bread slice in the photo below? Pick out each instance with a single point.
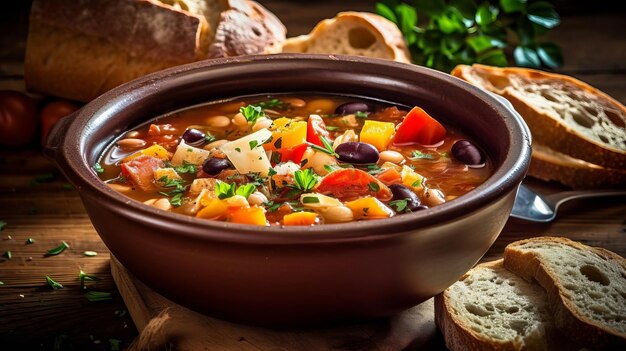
(490, 308)
(353, 33)
(586, 287)
(550, 165)
(563, 113)
(78, 49)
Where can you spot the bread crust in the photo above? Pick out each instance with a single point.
(584, 331)
(546, 128)
(385, 32)
(549, 165)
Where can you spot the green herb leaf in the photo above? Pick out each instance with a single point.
(224, 190)
(543, 14)
(310, 200)
(30, 241)
(253, 144)
(399, 205)
(271, 172)
(186, 168)
(82, 276)
(373, 186)
(98, 168)
(361, 114)
(273, 103)
(305, 180)
(208, 138)
(57, 250)
(278, 143)
(8, 254)
(96, 296)
(331, 128)
(54, 285)
(252, 113)
(3, 225)
(420, 155)
(90, 253)
(245, 190)
(327, 149)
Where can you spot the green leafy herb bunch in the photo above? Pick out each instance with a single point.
(444, 33)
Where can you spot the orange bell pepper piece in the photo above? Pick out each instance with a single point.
(300, 218)
(247, 215)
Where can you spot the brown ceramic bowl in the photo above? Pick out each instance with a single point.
(280, 276)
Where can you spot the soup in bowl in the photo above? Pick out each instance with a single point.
(248, 235)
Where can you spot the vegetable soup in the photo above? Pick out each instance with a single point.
(294, 160)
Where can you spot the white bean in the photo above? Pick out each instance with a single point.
(150, 202)
(132, 134)
(433, 197)
(240, 120)
(257, 198)
(218, 121)
(295, 102)
(120, 187)
(163, 204)
(337, 214)
(131, 143)
(261, 123)
(391, 156)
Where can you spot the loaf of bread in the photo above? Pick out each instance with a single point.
(548, 293)
(586, 287)
(353, 33)
(490, 308)
(578, 131)
(78, 49)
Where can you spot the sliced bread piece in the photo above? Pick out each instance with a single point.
(586, 287)
(563, 113)
(550, 165)
(353, 33)
(490, 308)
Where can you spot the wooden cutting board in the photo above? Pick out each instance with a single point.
(165, 325)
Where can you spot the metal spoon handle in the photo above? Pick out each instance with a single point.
(559, 198)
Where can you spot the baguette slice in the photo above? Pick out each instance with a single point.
(563, 113)
(490, 308)
(353, 33)
(549, 165)
(586, 287)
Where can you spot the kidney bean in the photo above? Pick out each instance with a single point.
(401, 192)
(468, 153)
(213, 166)
(357, 153)
(193, 137)
(352, 107)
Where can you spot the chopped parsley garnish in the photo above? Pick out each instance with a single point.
(3, 225)
(98, 168)
(278, 143)
(331, 128)
(253, 144)
(245, 190)
(95, 296)
(271, 172)
(373, 186)
(374, 169)
(238, 149)
(361, 114)
(420, 155)
(57, 250)
(310, 200)
(305, 180)
(176, 194)
(84, 276)
(225, 190)
(255, 179)
(274, 103)
(252, 113)
(7, 254)
(417, 183)
(186, 168)
(328, 147)
(208, 138)
(90, 253)
(400, 205)
(30, 241)
(54, 285)
(271, 206)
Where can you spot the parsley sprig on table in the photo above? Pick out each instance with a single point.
(444, 33)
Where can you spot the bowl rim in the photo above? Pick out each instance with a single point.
(70, 156)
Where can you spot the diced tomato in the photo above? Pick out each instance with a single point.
(315, 129)
(140, 171)
(418, 127)
(352, 183)
(293, 154)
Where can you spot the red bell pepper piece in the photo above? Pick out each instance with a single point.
(419, 127)
(352, 183)
(293, 154)
(316, 128)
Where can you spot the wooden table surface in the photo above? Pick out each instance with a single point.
(36, 202)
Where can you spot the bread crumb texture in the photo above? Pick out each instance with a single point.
(500, 307)
(593, 284)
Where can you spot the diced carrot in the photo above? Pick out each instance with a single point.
(389, 176)
(369, 208)
(155, 150)
(300, 218)
(247, 215)
(214, 208)
(351, 183)
(287, 133)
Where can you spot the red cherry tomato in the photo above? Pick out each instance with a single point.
(418, 127)
(293, 154)
(52, 113)
(352, 183)
(18, 118)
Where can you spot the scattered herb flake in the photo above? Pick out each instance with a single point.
(374, 169)
(327, 149)
(310, 200)
(186, 168)
(253, 144)
(98, 168)
(373, 186)
(331, 128)
(90, 253)
(274, 103)
(238, 149)
(57, 250)
(271, 172)
(3, 225)
(8, 254)
(209, 138)
(252, 113)
(417, 183)
(30, 241)
(271, 206)
(361, 114)
(245, 190)
(83, 277)
(176, 194)
(95, 296)
(54, 285)
(420, 155)
(400, 205)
